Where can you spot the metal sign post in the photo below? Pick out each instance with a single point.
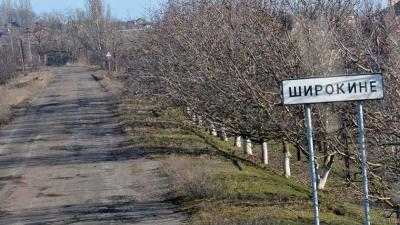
(310, 140)
(363, 159)
(334, 89)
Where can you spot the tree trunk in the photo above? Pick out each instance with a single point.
(22, 54)
(398, 215)
(323, 179)
(298, 154)
(345, 142)
(265, 153)
(12, 43)
(30, 55)
(327, 169)
(287, 156)
(249, 147)
(238, 142)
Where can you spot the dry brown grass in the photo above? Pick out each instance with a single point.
(21, 89)
(190, 177)
(112, 84)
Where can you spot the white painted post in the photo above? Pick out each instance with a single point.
(108, 57)
(265, 153)
(224, 137)
(188, 111)
(213, 130)
(287, 156)
(238, 141)
(200, 121)
(249, 147)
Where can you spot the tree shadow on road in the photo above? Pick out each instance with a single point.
(120, 212)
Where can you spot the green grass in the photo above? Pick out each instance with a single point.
(257, 184)
(254, 195)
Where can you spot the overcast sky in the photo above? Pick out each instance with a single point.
(123, 9)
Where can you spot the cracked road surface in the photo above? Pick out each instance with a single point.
(63, 160)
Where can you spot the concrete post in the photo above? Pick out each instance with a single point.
(249, 147)
(287, 156)
(238, 141)
(265, 153)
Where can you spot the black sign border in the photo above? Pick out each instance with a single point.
(343, 75)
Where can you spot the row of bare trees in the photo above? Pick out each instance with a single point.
(29, 40)
(15, 17)
(224, 61)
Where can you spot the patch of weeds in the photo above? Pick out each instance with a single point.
(191, 179)
(173, 113)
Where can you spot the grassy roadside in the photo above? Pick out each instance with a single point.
(19, 90)
(212, 189)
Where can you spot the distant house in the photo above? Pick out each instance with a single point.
(138, 24)
(3, 32)
(14, 24)
(396, 6)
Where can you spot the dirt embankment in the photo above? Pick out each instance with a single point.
(202, 182)
(19, 90)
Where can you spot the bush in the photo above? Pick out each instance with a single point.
(191, 179)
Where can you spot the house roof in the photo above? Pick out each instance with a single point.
(396, 7)
(3, 32)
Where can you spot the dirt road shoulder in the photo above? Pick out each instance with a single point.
(20, 90)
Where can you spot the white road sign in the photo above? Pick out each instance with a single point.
(332, 89)
(108, 55)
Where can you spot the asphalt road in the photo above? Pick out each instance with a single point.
(64, 160)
